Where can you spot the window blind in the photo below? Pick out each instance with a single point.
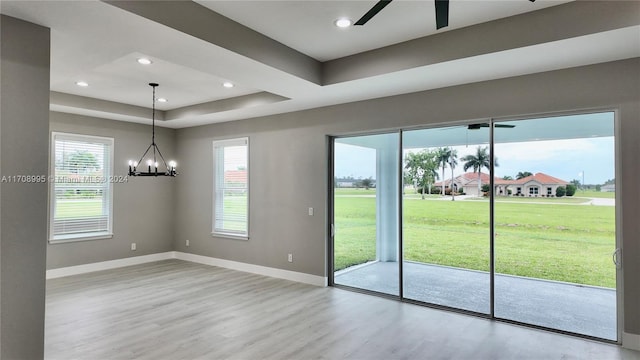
(81, 186)
(231, 187)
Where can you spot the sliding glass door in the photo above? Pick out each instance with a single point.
(445, 217)
(555, 223)
(512, 219)
(365, 210)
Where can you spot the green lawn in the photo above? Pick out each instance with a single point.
(556, 242)
(235, 205)
(78, 208)
(351, 191)
(595, 194)
(560, 200)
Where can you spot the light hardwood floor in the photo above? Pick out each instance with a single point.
(179, 310)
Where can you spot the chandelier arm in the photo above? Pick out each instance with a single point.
(145, 154)
(161, 157)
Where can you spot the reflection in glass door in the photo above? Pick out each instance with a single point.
(445, 217)
(555, 223)
(365, 211)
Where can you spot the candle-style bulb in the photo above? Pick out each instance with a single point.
(149, 162)
(130, 162)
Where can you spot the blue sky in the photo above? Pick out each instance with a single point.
(564, 159)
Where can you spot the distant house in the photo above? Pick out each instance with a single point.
(467, 183)
(536, 185)
(608, 188)
(539, 184)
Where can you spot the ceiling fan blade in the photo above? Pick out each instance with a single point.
(504, 126)
(373, 11)
(442, 13)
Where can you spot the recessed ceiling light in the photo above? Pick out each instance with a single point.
(227, 84)
(144, 61)
(82, 83)
(343, 23)
(162, 100)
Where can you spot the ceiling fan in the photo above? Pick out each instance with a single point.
(442, 12)
(481, 125)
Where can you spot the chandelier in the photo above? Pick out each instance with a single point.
(152, 161)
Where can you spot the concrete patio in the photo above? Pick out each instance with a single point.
(570, 307)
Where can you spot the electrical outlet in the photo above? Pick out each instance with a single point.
(186, 242)
(310, 211)
(133, 247)
(290, 258)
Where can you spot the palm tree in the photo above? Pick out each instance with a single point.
(442, 157)
(453, 161)
(479, 161)
(523, 174)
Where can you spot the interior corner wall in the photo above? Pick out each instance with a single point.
(289, 165)
(142, 206)
(24, 126)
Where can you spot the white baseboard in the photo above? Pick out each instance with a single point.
(228, 264)
(631, 341)
(106, 265)
(255, 269)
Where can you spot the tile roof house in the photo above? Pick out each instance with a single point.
(235, 176)
(535, 185)
(539, 184)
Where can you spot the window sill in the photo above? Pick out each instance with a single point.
(80, 237)
(230, 236)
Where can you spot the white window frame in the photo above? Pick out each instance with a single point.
(107, 174)
(244, 141)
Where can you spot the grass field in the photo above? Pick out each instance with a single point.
(595, 194)
(78, 208)
(547, 241)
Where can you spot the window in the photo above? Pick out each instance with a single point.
(533, 190)
(231, 188)
(80, 190)
(549, 193)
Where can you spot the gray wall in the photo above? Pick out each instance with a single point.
(142, 211)
(24, 125)
(288, 161)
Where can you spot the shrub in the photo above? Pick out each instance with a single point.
(571, 189)
(486, 188)
(560, 191)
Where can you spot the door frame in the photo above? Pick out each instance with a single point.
(618, 215)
